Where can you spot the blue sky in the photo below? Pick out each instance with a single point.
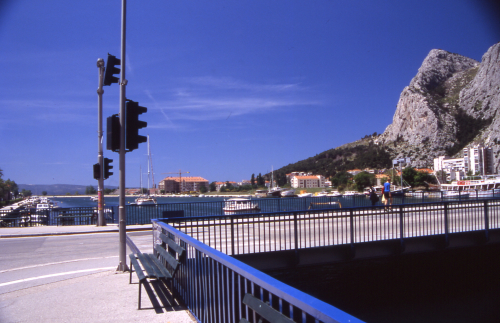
(232, 87)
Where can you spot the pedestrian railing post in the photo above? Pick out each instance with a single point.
(232, 236)
(401, 228)
(486, 221)
(446, 224)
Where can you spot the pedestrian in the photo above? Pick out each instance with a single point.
(387, 193)
(373, 196)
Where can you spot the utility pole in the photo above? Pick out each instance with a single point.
(100, 186)
(122, 225)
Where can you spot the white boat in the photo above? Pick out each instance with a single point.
(145, 201)
(334, 194)
(260, 193)
(351, 193)
(240, 205)
(290, 192)
(94, 198)
(305, 195)
(455, 195)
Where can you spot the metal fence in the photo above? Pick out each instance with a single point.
(55, 216)
(213, 286)
(279, 231)
(143, 214)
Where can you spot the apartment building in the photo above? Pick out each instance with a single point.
(182, 184)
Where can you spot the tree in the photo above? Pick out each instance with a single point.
(260, 180)
(26, 193)
(44, 193)
(213, 187)
(340, 178)
(252, 180)
(363, 180)
(89, 190)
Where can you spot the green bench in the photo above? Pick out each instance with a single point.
(162, 267)
(264, 310)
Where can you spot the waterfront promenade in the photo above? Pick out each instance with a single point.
(94, 296)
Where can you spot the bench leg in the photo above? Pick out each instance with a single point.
(139, 301)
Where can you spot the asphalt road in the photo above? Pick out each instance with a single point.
(29, 262)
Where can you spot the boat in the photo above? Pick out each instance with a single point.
(305, 194)
(334, 194)
(260, 193)
(240, 205)
(94, 198)
(146, 200)
(287, 193)
(351, 193)
(455, 194)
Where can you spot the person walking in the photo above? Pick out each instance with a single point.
(373, 196)
(387, 193)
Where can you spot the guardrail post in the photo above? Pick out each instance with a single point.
(486, 221)
(351, 217)
(401, 228)
(446, 224)
(296, 237)
(232, 236)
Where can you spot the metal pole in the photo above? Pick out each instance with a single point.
(101, 221)
(122, 266)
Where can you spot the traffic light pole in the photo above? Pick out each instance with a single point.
(122, 266)
(100, 186)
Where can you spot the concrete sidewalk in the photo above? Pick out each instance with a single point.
(105, 296)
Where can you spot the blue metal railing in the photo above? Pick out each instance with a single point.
(143, 214)
(213, 284)
(279, 231)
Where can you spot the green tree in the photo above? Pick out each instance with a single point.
(213, 187)
(89, 190)
(26, 193)
(341, 178)
(252, 180)
(363, 180)
(203, 189)
(44, 193)
(260, 180)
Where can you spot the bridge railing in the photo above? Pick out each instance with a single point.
(279, 231)
(213, 285)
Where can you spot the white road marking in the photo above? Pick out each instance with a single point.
(55, 275)
(54, 263)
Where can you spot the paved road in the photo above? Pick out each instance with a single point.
(72, 278)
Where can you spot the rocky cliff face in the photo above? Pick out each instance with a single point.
(451, 102)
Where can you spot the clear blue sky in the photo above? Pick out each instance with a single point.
(232, 87)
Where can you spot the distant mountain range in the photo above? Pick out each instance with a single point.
(57, 189)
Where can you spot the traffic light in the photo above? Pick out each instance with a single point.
(113, 133)
(133, 124)
(107, 167)
(111, 70)
(97, 171)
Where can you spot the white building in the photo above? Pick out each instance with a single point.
(477, 160)
(308, 181)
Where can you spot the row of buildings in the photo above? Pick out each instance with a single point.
(476, 160)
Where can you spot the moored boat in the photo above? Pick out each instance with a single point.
(240, 205)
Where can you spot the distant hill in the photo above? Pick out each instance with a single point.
(451, 103)
(57, 189)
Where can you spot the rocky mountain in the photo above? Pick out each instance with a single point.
(451, 102)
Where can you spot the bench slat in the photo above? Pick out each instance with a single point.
(137, 267)
(168, 257)
(147, 266)
(171, 243)
(264, 310)
(159, 266)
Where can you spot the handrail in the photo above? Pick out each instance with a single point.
(301, 301)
